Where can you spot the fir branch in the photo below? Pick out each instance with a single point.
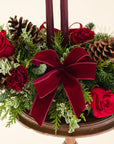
(57, 44)
(55, 116)
(1, 27)
(42, 35)
(90, 25)
(86, 94)
(64, 55)
(15, 103)
(67, 113)
(3, 95)
(6, 66)
(13, 115)
(103, 64)
(2, 109)
(25, 49)
(105, 75)
(100, 36)
(83, 117)
(105, 80)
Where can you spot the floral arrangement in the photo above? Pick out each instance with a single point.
(60, 80)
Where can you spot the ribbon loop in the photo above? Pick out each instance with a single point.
(75, 24)
(48, 57)
(76, 55)
(83, 70)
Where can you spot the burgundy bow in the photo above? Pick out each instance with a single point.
(76, 66)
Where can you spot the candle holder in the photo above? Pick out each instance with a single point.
(93, 126)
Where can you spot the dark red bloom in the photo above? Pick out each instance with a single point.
(103, 102)
(18, 78)
(81, 35)
(6, 48)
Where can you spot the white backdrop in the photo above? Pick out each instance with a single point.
(101, 12)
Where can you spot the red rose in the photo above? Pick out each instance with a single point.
(103, 102)
(81, 35)
(18, 78)
(6, 48)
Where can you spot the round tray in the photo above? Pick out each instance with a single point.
(92, 126)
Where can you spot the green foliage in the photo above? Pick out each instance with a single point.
(99, 36)
(83, 117)
(3, 96)
(25, 49)
(6, 66)
(27, 38)
(57, 44)
(105, 80)
(61, 108)
(2, 109)
(90, 25)
(39, 70)
(86, 94)
(55, 116)
(42, 34)
(53, 113)
(105, 75)
(9, 110)
(101, 65)
(13, 103)
(13, 115)
(64, 55)
(67, 113)
(1, 27)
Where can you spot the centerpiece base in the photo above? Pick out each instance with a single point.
(91, 127)
(70, 141)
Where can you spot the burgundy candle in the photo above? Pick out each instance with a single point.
(49, 21)
(64, 21)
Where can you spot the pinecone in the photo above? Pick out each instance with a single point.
(10, 59)
(18, 25)
(102, 50)
(2, 77)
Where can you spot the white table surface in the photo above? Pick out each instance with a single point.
(17, 134)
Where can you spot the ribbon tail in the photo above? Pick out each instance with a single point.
(74, 93)
(40, 107)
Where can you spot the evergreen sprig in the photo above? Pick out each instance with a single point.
(25, 49)
(13, 103)
(65, 111)
(6, 66)
(55, 117)
(86, 94)
(57, 44)
(1, 27)
(90, 25)
(100, 36)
